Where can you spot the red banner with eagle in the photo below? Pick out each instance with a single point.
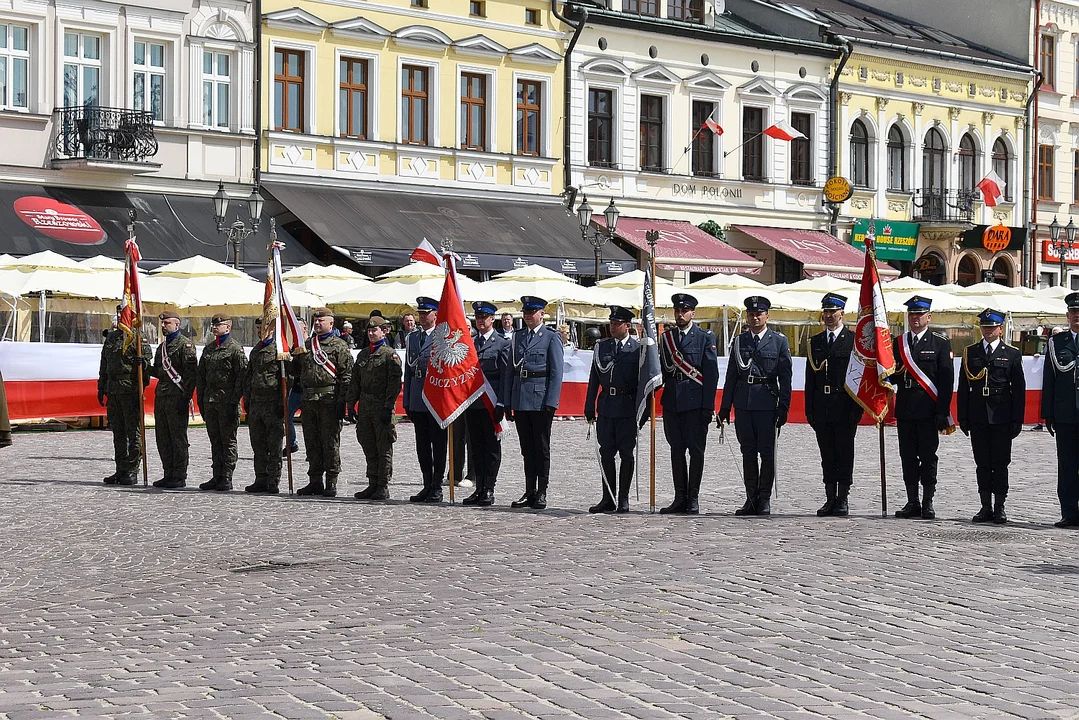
(873, 359)
(130, 319)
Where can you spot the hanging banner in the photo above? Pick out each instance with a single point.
(896, 240)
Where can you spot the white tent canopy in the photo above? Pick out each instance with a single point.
(199, 282)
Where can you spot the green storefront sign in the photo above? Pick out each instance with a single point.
(896, 240)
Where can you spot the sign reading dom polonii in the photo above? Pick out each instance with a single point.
(895, 240)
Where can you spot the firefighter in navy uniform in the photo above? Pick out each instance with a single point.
(690, 378)
(431, 440)
(990, 403)
(919, 417)
(831, 411)
(1060, 411)
(758, 387)
(613, 378)
(484, 445)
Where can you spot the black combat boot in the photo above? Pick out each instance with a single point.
(382, 490)
(764, 490)
(927, 503)
(488, 498)
(986, 513)
(999, 516)
(160, 483)
(273, 487)
(693, 491)
(751, 477)
(913, 508)
(830, 500)
(528, 497)
(540, 501)
(131, 477)
(840, 509)
(606, 503)
(681, 490)
(435, 493)
(313, 487)
(111, 479)
(330, 489)
(421, 496)
(368, 491)
(224, 484)
(259, 486)
(477, 494)
(174, 483)
(209, 484)
(625, 478)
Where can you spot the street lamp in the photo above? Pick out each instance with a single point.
(597, 238)
(238, 231)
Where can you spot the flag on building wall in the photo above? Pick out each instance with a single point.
(713, 126)
(873, 359)
(992, 187)
(278, 318)
(784, 131)
(130, 319)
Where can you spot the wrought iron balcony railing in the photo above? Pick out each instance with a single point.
(932, 205)
(105, 134)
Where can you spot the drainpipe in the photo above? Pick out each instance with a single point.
(833, 124)
(1031, 188)
(257, 169)
(567, 98)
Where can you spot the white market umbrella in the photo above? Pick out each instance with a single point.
(984, 288)
(822, 284)
(395, 292)
(627, 290)
(103, 264)
(5, 258)
(909, 284)
(199, 282)
(723, 281)
(50, 272)
(322, 280)
(554, 287)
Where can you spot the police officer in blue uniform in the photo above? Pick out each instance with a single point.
(990, 405)
(690, 378)
(758, 387)
(484, 445)
(533, 387)
(919, 418)
(831, 411)
(1060, 411)
(613, 378)
(431, 443)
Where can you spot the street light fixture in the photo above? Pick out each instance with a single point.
(597, 238)
(238, 231)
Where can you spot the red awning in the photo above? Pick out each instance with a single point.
(683, 246)
(819, 252)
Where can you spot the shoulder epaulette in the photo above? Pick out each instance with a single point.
(942, 336)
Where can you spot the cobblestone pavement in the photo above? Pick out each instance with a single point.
(125, 602)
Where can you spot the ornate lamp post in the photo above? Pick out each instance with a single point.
(238, 231)
(596, 238)
(1063, 244)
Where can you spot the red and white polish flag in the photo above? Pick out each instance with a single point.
(426, 252)
(992, 187)
(712, 125)
(784, 131)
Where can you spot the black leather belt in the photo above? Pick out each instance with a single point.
(828, 389)
(758, 380)
(615, 391)
(987, 391)
(526, 374)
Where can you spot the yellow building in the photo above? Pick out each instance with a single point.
(389, 122)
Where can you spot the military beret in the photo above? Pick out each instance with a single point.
(531, 302)
(990, 318)
(169, 315)
(220, 318)
(758, 303)
(918, 304)
(321, 312)
(620, 314)
(377, 321)
(1072, 301)
(484, 307)
(833, 301)
(684, 300)
(426, 303)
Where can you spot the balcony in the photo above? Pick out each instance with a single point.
(108, 138)
(943, 206)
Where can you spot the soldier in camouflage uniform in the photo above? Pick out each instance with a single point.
(176, 369)
(324, 370)
(265, 414)
(376, 382)
(222, 369)
(118, 391)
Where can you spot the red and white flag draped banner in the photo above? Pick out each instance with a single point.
(130, 319)
(992, 188)
(784, 131)
(426, 252)
(873, 359)
(278, 318)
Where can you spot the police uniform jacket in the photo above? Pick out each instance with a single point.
(417, 357)
(1005, 402)
(494, 356)
(181, 352)
(682, 393)
(222, 371)
(614, 376)
(758, 379)
(933, 354)
(1060, 389)
(826, 397)
(536, 366)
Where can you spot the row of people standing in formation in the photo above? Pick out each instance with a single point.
(525, 371)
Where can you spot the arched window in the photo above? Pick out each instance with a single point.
(1002, 163)
(859, 154)
(1002, 272)
(934, 166)
(897, 159)
(967, 163)
(967, 274)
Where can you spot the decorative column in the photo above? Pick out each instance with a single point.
(881, 209)
(916, 145)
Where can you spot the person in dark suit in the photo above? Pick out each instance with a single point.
(924, 377)
(613, 378)
(533, 387)
(690, 378)
(831, 411)
(484, 447)
(408, 326)
(1060, 400)
(431, 440)
(758, 387)
(990, 403)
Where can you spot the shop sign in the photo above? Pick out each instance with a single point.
(363, 257)
(470, 261)
(1051, 254)
(896, 240)
(519, 262)
(59, 221)
(614, 268)
(837, 190)
(994, 238)
(928, 264)
(569, 266)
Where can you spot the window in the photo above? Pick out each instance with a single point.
(686, 10)
(641, 7)
(216, 89)
(753, 143)
(600, 127)
(414, 104)
(859, 154)
(967, 272)
(82, 69)
(967, 163)
(1047, 56)
(149, 88)
(418, 3)
(532, 16)
(802, 150)
(652, 133)
(704, 140)
(477, 8)
(1002, 163)
(897, 159)
(1046, 155)
(934, 156)
(288, 90)
(352, 98)
(14, 66)
(529, 106)
(473, 111)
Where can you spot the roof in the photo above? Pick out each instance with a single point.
(683, 246)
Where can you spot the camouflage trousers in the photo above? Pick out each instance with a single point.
(122, 411)
(265, 425)
(321, 421)
(171, 414)
(376, 438)
(222, 421)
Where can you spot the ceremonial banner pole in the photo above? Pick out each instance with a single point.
(883, 475)
(284, 419)
(136, 324)
(449, 441)
(652, 236)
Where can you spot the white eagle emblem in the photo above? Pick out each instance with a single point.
(446, 347)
